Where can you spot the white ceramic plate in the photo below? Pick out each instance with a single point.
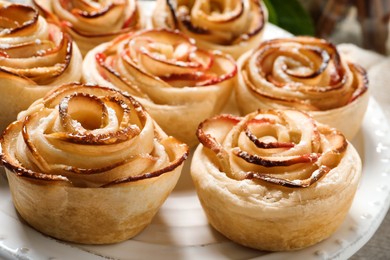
(180, 229)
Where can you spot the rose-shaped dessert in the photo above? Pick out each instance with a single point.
(233, 27)
(274, 179)
(179, 84)
(304, 73)
(34, 56)
(87, 164)
(91, 23)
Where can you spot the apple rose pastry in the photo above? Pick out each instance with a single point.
(87, 164)
(274, 179)
(307, 74)
(233, 27)
(34, 56)
(179, 84)
(91, 23)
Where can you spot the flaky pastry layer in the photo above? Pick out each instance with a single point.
(232, 27)
(35, 56)
(177, 82)
(91, 23)
(303, 73)
(274, 180)
(87, 164)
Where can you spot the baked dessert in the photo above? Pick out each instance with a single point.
(179, 84)
(274, 179)
(34, 56)
(233, 27)
(87, 164)
(303, 73)
(91, 23)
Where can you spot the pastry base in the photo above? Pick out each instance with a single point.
(246, 212)
(90, 215)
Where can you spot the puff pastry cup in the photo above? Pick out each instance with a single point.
(34, 56)
(303, 73)
(88, 164)
(233, 27)
(274, 179)
(91, 23)
(179, 84)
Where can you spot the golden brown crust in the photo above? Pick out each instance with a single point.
(287, 195)
(35, 56)
(87, 164)
(90, 215)
(233, 27)
(303, 73)
(91, 24)
(168, 74)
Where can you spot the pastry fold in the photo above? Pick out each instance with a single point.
(91, 23)
(179, 84)
(304, 73)
(274, 179)
(34, 56)
(233, 27)
(88, 164)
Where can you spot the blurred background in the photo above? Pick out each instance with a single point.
(362, 22)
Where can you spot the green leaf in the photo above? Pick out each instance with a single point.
(291, 16)
(271, 12)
